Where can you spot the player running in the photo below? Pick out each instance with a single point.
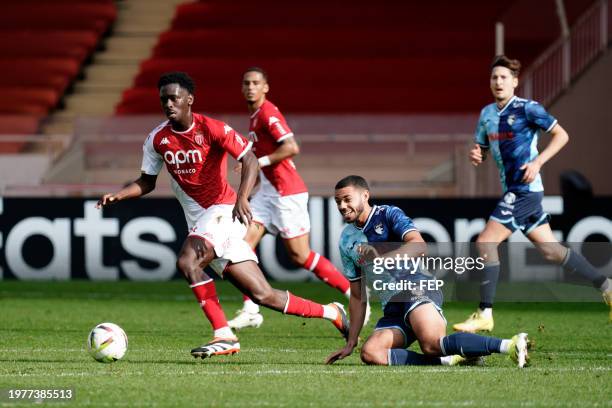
(194, 148)
(508, 128)
(408, 315)
(280, 206)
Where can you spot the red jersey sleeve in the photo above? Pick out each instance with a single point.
(276, 125)
(230, 140)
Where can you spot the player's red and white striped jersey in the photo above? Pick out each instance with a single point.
(197, 161)
(267, 129)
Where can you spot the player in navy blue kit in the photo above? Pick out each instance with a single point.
(409, 315)
(508, 130)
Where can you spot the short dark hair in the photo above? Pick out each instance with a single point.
(263, 73)
(513, 65)
(180, 78)
(353, 181)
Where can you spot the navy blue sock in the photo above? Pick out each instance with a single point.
(488, 285)
(470, 345)
(574, 262)
(407, 357)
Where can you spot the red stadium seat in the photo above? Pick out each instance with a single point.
(58, 16)
(28, 100)
(75, 44)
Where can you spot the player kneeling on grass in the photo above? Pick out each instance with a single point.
(194, 148)
(407, 316)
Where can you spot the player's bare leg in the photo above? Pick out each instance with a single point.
(376, 349)
(248, 315)
(195, 255)
(487, 244)
(300, 253)
(249, 279)
(546, 243)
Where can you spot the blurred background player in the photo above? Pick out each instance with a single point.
(407, 315)
(194, 148)
(280, 206)
(508, 128)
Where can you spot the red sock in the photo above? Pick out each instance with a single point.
(245, 298)
(206, 293)
(298, 306)
(326, 271)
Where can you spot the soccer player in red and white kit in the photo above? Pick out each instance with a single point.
(194, 148)
(280, 206)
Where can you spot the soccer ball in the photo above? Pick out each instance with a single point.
(107, 342)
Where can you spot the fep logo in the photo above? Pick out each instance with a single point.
(181, 157)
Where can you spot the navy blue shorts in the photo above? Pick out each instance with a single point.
(521, 210)
(396, 311)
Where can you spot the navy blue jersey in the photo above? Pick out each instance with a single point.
(512, 136)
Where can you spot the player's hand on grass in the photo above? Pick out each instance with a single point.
(531, 171)
(340, 354)
(106, 199)
(476, 156)
(242, 211)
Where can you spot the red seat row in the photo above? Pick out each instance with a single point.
(62, 15)
(291, 72)
(306, 99)
(322, 43)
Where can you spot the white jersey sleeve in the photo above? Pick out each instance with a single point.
(152, 162)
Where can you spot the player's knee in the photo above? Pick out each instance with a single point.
(372, 355)
(430, 347)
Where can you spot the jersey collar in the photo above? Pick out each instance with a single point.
(185, 131)
(499, 112)
(368, 220)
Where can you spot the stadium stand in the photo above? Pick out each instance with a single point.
(404, 56)
(43, 47)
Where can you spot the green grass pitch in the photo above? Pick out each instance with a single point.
(43, 328)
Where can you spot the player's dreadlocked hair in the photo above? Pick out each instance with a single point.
(513, 65)
(263, 73)
(180, 78)
(353, 181)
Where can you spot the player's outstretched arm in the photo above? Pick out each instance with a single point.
(248, 177)
(287, 149)
(357, 310)
(559, 138)
(144, 185)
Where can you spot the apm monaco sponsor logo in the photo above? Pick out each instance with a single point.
(181, 157)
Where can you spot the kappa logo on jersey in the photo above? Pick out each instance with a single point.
(164, 141)
(181, 157)
(227, 129)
